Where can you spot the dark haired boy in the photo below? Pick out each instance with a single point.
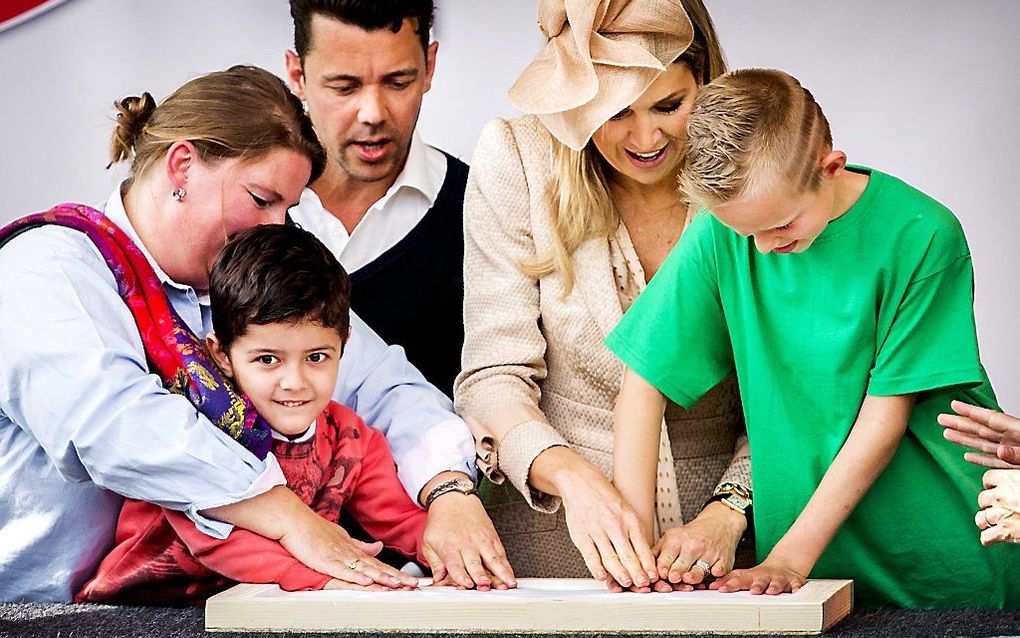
(281, 315)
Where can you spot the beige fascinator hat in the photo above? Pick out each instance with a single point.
(600, 57)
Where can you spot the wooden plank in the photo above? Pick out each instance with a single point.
(538, 605)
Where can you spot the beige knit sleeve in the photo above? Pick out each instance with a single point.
(503, 360)
(739, 469)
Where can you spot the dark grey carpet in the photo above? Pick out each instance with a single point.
(87, 621)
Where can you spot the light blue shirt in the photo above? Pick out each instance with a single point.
(83, 423)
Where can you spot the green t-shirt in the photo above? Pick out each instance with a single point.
(881, 304)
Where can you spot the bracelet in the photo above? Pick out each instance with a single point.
(463, 486)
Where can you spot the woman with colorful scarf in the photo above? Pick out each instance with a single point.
(104, 389)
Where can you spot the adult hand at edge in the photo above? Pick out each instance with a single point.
(999, 516)
(462, 546)
(995, 436)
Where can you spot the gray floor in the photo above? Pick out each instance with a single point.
(83, 621)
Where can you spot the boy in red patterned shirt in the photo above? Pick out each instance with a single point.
(280, 306)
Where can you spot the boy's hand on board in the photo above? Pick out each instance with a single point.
(773, 576)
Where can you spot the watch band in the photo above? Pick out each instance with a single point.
(735, 496)
(463, 486)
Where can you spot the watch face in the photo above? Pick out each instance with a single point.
(738, 502)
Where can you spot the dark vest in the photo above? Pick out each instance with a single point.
(413, 294)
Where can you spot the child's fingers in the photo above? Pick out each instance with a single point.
(759, 584)
(738, 580)
(614, 586)
(662, 587)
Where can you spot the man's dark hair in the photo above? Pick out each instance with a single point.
(370, 15)
(276, 273)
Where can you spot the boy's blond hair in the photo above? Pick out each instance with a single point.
(747, 128)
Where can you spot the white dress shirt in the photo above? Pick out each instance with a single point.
(388, 220)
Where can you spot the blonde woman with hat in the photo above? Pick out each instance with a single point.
(568, 213)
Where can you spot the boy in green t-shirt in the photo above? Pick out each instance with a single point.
(844, 300)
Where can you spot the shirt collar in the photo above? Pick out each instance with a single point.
(419, 173)
(115, 212)
(307, 436)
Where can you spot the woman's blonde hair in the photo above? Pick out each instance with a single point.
(583, 206)
(749, 128)
(243, 112)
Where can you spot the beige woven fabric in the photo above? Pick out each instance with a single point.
(535, 370)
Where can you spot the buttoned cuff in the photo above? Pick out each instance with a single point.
(519, 449)
(270, 477)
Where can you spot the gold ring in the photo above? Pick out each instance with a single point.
(984, 513)
(353, 563)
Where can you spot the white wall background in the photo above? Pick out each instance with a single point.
(924, 90)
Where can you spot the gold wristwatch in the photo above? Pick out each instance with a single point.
(733, 495)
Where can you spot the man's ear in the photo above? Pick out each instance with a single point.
(179, 159)
(295, 73)
(832, 164)
(219, 357)
(430, 64)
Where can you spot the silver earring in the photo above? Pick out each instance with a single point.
(178, 194)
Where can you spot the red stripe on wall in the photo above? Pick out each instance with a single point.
(13, 11)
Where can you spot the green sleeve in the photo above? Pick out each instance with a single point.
(931, 341)
(675, 334)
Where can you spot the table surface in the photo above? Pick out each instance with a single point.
(83, 621)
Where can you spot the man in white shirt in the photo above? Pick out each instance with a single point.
(389, 207)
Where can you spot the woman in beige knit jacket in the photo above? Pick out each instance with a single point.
(567, 216)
